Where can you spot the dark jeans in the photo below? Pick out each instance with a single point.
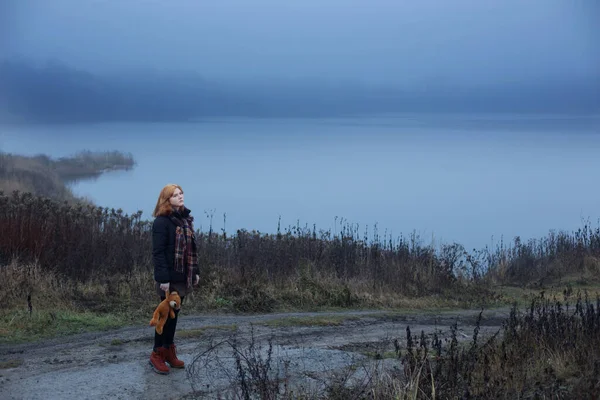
(166, 339)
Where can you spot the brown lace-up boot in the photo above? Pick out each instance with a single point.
(157, 360)
(171, 357)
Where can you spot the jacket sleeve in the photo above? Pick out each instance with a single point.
(160, 240)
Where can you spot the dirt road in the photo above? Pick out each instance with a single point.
(114, 365)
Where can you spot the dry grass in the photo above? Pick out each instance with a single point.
(40, 303)
(550, 351)
(49, 290)
(46, 288)
(308, 321)
(22, 326)
(199, 332)
(567, 285)
(9, 185)
(300, 268)
(221, 289)
(12, 363)
(32, 174)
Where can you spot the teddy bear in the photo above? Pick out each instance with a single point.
(164, 310)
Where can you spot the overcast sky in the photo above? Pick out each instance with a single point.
(401, 41)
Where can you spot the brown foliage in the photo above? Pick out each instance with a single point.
(82, 243)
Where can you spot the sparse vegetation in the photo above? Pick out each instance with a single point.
(255, 373)
(100, 259)
(20, 326)
(82, 257)
(308, 321)
(12, 363)
(551, 350)
(199, 332)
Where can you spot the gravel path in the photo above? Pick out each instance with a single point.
(114, 365)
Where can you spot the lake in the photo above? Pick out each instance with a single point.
(465, 178)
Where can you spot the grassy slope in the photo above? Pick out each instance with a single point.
(18, 325)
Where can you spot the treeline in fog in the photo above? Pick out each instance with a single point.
(55, 92)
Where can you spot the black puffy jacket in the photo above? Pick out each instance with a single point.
(163, 251)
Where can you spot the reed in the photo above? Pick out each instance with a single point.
(296, 267)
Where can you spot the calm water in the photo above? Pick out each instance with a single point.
(464, 178)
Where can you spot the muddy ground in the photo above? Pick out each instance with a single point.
(114, 365)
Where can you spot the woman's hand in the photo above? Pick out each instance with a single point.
(196, 279)
(164, 287)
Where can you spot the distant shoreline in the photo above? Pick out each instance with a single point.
(495, 115)
(45, 176)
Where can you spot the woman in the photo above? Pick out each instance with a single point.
(175, 266)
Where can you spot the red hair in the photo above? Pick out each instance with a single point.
(163, 204)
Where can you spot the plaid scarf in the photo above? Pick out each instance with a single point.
(186, 254)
